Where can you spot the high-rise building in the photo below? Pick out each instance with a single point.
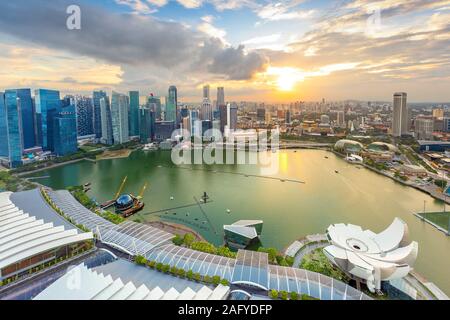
(27, 117)
(232, 118)
(206, 92)
(147, 125)
(154, 104)
(186, 124)
(85, 116)
(207, 110)
(220, 96)
(164, 130)
(261, 114)
(134, 113)
(195, 120)
(268, 118)
(65, 131)
(341, 119)
(119, 115)
(14, 128)
(48, 104)
(4, 150)
(438, 113)
(288, 117)
(423, 128)
(171, 105)
(223, 109)
(324, 119)
(97, 112)
(107, 131)
(400, 121)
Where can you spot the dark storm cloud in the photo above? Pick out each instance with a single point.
(126, 39)
(238, 65)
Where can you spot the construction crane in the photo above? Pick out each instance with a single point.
(141, 194)
(121, 188)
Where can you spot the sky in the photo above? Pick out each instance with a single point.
(259, 50)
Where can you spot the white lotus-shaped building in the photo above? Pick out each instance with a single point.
(371, 257)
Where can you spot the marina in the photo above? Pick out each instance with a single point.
(357, 196)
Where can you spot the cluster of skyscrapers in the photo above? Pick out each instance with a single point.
(28, 123)
(47, 123)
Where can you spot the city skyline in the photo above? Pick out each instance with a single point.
(259, 51)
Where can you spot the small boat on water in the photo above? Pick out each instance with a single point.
(326, 157)
(150, 147)
(336, 171)
(172, 198)
(355, 159)
(228, 211)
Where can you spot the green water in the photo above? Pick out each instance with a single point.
(289, 210)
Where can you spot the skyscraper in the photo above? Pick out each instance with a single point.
(261, 114)
(85, 116)
(119, 114)
(223, 117)
(195, 123)
(154, 104)
(27, 117)
(14, 128)
(65, 131)
(400, 115)
(107, 132)
(134, 113)
(4, 150)
(147, 125)
(220, 96)
(48, 104)
(341, 119)
(232, 118)
(97, 112)
(207, 110)
(206, 92)
(171, 105)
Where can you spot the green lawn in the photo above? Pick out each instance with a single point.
(439, 218)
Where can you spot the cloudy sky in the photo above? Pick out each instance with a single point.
(259, 50)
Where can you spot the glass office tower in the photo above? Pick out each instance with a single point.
(119, 113)
(134, 113)
(97, 96)
(171, 105)
(14, 128)
(48, 104)
(147, 125)
(65, 131)
(4, 150)
(27, 117)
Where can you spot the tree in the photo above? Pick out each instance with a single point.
(151, 264)
(190, 275)
(284, 295)
(197, 276)
(166, 268)
(188, 239)
(273, 294)
(140, 260)
(159, 266)
(174, 270)
(181, 273)
(216, 280)
(178, 240)
(294, 295)
(224, 282)
(207, 279)
(273, 253)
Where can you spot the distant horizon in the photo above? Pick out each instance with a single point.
(258, 50)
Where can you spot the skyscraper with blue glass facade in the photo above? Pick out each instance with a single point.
(4, 150)
(97, 96)
(147, 125)
(65, 130)
(14, 128)
(27, 117)
(48, 104)
(171, 105)
(134, 113)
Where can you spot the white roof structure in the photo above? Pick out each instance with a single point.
(81, 283)
(23, 236)
(247, 232)
(372, 257)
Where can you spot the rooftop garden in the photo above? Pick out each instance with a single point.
(316, 261)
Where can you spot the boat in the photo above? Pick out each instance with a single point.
(228, 211)
(150, 147)
(336, 171)
(172, 198)
(326, 157)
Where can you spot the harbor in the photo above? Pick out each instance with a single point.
(288, 210)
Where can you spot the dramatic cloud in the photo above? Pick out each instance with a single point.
(129, 40)
(225, 62)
